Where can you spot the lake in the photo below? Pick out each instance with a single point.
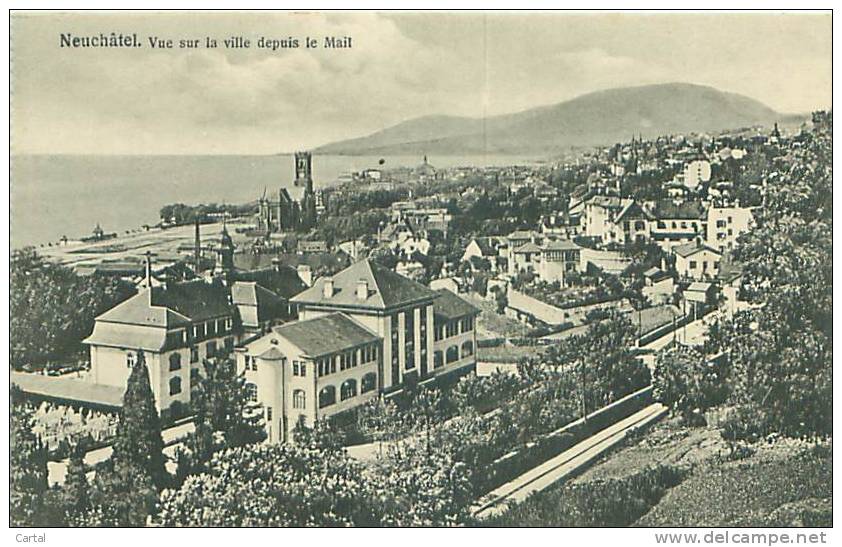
(53, 196)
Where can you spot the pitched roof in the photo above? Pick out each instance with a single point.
(633, 210)
(692, 248)
(197, 300)
(127, 335)
(687, 210)
(523, 234)
(137, 311)
(177, 304)
(560, 245)
(386, 289)
(486, 246)
(325, 334)
(283, 281)
(608, 202)
(528, 248)
(450, 306)
(656, 274)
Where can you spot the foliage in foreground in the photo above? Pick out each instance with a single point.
(610, 502)
(51, 308)
(752, 492)
(317, 484)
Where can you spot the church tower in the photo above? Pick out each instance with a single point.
(304, 170)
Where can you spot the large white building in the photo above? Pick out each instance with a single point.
(365, 331)
(726, 224)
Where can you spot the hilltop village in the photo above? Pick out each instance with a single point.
(461, 317)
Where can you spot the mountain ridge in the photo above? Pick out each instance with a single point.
(598, 118)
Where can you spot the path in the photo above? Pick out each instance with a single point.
(565, 464)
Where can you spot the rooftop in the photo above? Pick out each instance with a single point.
(692, 248)
(325, 334)
(687, 210)
(450, 306)
(386, 289)
(69, 390)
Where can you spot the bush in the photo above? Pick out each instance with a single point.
(612, 502)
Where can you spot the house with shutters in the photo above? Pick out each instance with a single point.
(697, 261)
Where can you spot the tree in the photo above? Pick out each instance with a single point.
(224, 416)
(27, 471)
(76, 490)
(689, 383)
(276, 485)
(138, 441)
(225, 403)
(123, 494)
(51, 308)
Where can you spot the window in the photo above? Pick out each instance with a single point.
(175, 385)
(195, 376)
(452, 354)
(302, 370)
(299, 399)
(692, 264)
(211, 348)
(268, 413)
(228, 324)
(467, 349)
(327, 396)
(369, 382)
(130, 359)
(348, 389)
(194, 354)
(295, 368)
(438, 359)
(175, 361)
(251, 392)
(639, 225)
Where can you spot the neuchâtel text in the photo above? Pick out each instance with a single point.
(120, 40)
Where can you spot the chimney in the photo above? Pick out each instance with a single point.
(305, 274)
(328, 287)
(149, 276)
(362, 289)
(197, 249)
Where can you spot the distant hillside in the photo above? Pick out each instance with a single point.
(603, 117)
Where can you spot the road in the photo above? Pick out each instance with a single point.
(565, 464)
(57, 471)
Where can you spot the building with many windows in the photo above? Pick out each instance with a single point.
(178, 325)
(364, 331)
(175, 327)
(309, 370)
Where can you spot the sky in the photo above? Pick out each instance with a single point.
(400, 66)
